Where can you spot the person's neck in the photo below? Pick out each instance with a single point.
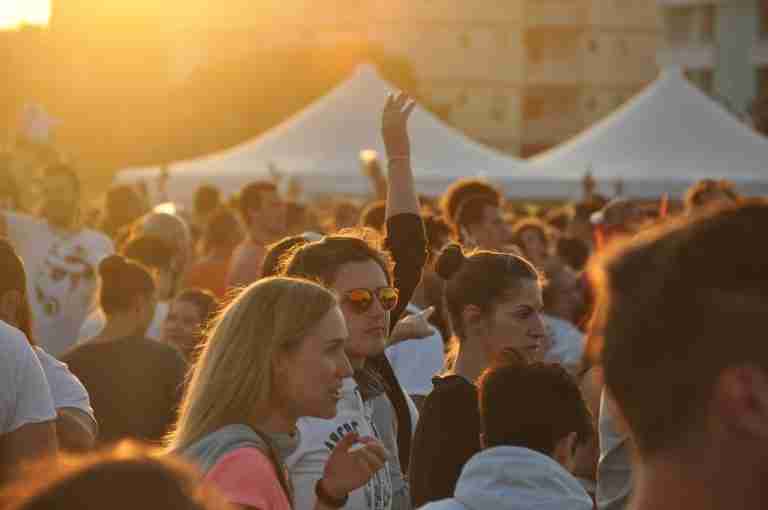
(671, 484)
(117, 327)
(276, 422)
(470, 362)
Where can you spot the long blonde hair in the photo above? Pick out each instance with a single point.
(232, 380)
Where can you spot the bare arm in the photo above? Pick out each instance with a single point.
(401, 191)
(76, 430)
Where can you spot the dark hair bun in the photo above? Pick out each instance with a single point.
(111, 267)
(450, 261)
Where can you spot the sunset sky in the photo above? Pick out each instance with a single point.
(18, 12)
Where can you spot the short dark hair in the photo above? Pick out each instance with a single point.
(694, 196)
(322, 260)
(207, 199)
(149, 251)
(122, 281)
(666, 302)
(481, 278)
(278, 252)
(251, 197)
(531, 405)
(462, 189)
(374, 215)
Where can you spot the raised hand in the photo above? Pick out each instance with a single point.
(413, 327)
(394, 125)
(349, 468)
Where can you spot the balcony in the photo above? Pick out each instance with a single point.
(687, 56)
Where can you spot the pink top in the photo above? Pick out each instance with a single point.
(246, 477)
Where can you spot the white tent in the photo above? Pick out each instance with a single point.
(664, 139)
(321, 144)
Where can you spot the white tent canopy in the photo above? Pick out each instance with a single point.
(664, 139)
(321, 144)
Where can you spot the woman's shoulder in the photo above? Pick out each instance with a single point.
(246, 476)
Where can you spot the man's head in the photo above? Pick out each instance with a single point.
(682, 315)
(709, 193)
(479, 223)
(206, 201)
(463, 189)
(262, 209)
(61, 195)
(621, 216)
(533, 405)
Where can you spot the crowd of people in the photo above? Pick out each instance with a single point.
(410, 352)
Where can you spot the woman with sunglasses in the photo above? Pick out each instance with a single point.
(374, 290)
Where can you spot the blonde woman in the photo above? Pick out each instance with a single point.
(275, 354)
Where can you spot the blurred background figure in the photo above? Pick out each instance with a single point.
(126, 477)
(135, 383)
(708, 194)
(187, 321)
(264, 215)
(122, 206)
(223, 233)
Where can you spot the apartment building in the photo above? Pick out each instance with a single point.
(721, 44)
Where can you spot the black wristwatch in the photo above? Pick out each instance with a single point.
(327, 499)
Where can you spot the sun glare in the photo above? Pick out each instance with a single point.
(14, 13)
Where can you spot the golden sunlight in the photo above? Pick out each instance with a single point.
(14, 13)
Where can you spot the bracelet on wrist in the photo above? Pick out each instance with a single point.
(328, 500)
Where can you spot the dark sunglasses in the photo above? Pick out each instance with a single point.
(362, 299)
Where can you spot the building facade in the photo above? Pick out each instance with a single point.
(518, 75)
(721, 44)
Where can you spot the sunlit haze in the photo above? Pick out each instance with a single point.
(14, 13)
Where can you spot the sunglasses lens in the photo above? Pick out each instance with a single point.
(388, 298)
(361, 299)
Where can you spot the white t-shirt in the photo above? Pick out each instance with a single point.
(567, 343)
(318, 439)
(417, 361)
(94, 324)
(24, 394)
(66, 388)
(62, 274)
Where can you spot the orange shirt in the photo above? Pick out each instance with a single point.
(209, 275)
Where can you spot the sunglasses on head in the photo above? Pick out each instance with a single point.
(362, 299)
